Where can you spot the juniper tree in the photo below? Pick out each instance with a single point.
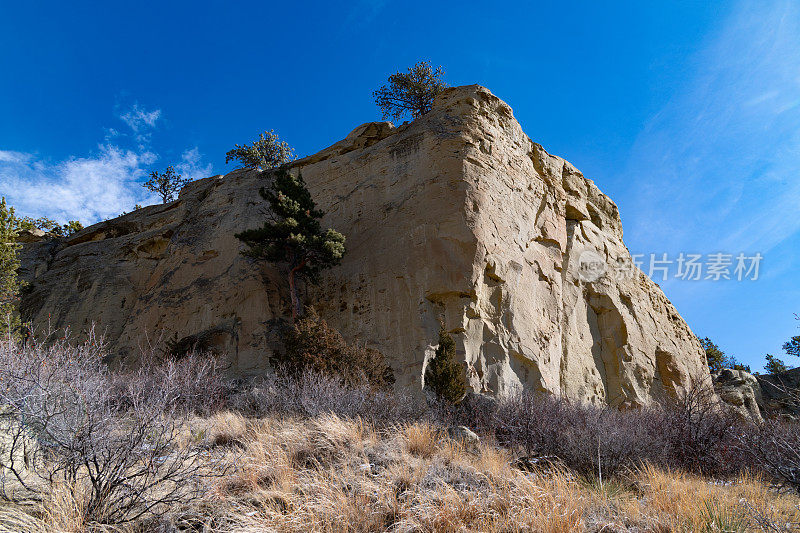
(410, 92)
(166, 184)
(444, 375)
(774, 365)
(9, 263)
(792, 346)
(715, 357)
(73, 226)
(51, 226)
(732, 362)
(292, 234)
(267, 152)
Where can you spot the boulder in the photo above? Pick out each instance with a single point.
(32, 235)
(781, 393)
(741, 391)
(464, 435)
(457, 216)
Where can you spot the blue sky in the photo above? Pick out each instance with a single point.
(687, 114)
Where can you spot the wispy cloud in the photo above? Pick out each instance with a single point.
(95, 187)
(718, 168)
(138, 119)
(8, 156)
(191, 165)
(87, 189)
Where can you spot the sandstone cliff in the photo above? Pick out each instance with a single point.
(456, 215)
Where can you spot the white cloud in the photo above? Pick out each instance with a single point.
(7, 156)
(95, 187)
(138, 119)
(191, 167)
(88, 189)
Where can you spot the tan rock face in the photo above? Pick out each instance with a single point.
(741, 391)
(456, 216)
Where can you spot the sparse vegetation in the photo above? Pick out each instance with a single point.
(717, 359)
(774, 365)
(312, 345)
(292, 234)
(110, 443)
(166, 184)
(50, 226)
(88, 449)
(266, 153)
(444, 375)
(9, 263)
(410, 92)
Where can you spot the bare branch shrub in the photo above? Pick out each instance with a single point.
(593, 441)
(692, 432)
(312, 393)
(698, 433)
(775, 447)
(114, 444)
(192, 384)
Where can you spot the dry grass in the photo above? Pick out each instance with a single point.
(332, 474)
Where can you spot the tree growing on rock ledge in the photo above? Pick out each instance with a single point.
(292, 234)
(267, 152)
(166, 184)
(410, 92)
(792, 346)
(50, 226)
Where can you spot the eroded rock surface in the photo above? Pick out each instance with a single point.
(457, 215)
(741, 391)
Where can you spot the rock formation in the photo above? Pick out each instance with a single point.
(780, 393)
(741, 391)
(457, 216)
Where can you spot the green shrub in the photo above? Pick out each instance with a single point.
(9, 263)
(312, 345)
(774, 365)
(266, 152)
(49, 225)
(444, 374)
(717, 359)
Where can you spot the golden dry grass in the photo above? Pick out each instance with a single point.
(331, 474)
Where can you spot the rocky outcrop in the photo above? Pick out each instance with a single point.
(741, 391)
(781, 393)
(32, 235)
(457, 216)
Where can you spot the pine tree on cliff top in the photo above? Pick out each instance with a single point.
(166, 184)
(266, 152)
(292, 234)
(410, 92)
